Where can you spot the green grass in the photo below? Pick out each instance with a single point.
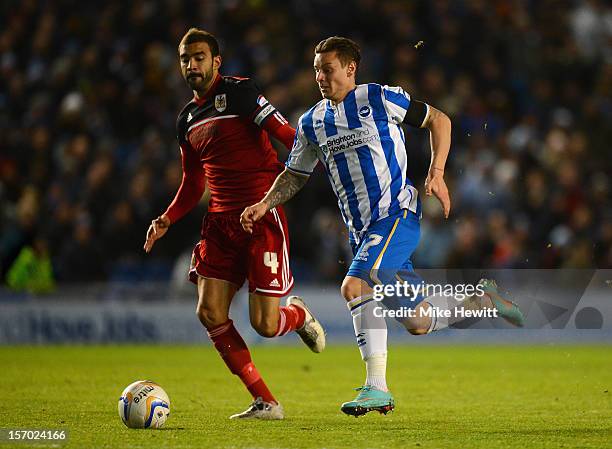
(446, 396)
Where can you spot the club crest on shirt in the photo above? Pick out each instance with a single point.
(220, 102)
(364, 111)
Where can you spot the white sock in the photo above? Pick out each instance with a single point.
(376, 371)
(371, 334)
(449, 303)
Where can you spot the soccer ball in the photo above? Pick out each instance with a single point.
(144, 405)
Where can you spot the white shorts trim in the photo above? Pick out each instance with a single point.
(281, 293)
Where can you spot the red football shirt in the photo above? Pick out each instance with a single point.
(224, 140)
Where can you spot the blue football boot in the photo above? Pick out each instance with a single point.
(369, 399)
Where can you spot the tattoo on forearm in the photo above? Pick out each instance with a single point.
(284, 188)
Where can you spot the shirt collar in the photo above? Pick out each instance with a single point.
(209, 93)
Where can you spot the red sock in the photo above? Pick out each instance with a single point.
(237, 357)
(290, 319)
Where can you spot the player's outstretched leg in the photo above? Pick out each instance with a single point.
(270, 319)
(506, 309)
(490, 299)
(311, 332)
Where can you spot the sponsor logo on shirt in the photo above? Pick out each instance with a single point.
(347, 141)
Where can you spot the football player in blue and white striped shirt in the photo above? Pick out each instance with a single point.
(355, 132)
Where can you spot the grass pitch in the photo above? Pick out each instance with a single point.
(446, 397)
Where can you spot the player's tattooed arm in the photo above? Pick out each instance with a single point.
(287, 184)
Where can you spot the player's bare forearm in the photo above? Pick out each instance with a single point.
(286, 185)
(439, 126)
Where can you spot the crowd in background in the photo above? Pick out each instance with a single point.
(89, 98)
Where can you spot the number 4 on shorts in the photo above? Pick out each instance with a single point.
(271, 261)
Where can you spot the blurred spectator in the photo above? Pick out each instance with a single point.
(82, 258)
(32, 271)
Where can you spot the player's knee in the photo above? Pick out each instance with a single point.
(416, 326)
(351, 288)
(265, 327)
(210, 317)
(418, 331)
(266, 330)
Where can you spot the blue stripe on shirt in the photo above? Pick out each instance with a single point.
(371, 180)
(401, 133)
(308, 126)
(379, 114)
(349, 188)
(397, 99)
(350, 108)
(331, 181)
(330, 124)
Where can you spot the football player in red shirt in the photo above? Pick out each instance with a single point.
(223, 136)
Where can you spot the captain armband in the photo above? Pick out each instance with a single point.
(416, 113)
(263, 114)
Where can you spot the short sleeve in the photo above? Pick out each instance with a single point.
(251, 103)
(303, 156)
(397, 102)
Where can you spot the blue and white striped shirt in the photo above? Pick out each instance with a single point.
(361, 144)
